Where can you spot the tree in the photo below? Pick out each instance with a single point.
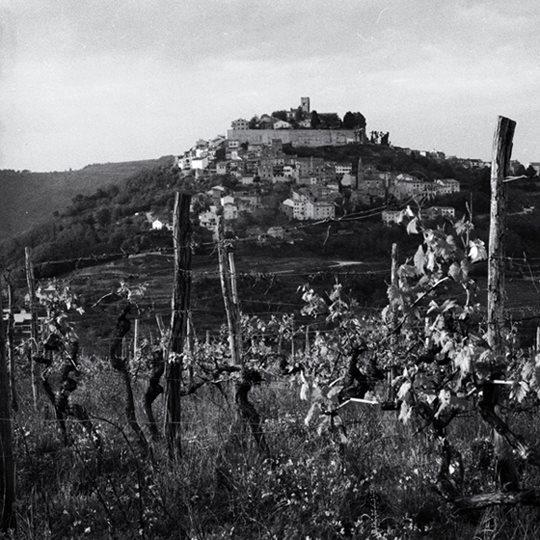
(531, 171)
(315, 120)
(349, 120)
(360, 120)
(254, 123)
(103, 216)
(520, 170)
(281, 115)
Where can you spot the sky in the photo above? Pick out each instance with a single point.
(113, 80)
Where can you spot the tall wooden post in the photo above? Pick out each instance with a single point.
(502, 150)
(180, 305)
(135, 339)
(30, 280)
(7, 464)
(227, 292)
(293, 352)
(11, 350)
(394, 267)
(394, 281)
(236, 316)
(245, 409)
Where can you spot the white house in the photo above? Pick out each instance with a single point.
(438, 211)
(409, 186)
(227, 199)
(348, 180)
(446, 186)
(230, 212)
(281, 124)
(392, 216)
(208, 219)
(343, 168)
(320, 209)
(287, 207)
(199, 163)
(157, 225)
(221, 167)
(217, 191)
(240, 124)
(246, 180)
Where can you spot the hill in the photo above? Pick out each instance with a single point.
(29, 198)
(113, 221)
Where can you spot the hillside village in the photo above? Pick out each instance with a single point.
(262, 177)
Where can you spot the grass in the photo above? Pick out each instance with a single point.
(379, 487)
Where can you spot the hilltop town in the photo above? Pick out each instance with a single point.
(257, 174)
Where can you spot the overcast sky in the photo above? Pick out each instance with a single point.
(93, 81)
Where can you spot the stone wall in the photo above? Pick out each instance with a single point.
(296, 137)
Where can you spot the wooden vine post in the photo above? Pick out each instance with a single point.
(11, 350)
(30, 280)
(394, 281)
(502, 150)
(245, 409)
(236, 316)
(180, 306)
(7, 463)
(227, 292)
(135, 339)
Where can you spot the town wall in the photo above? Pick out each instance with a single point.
(296, 137)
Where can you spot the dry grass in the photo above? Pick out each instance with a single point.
(381, 487)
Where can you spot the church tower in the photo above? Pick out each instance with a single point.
(304, 105)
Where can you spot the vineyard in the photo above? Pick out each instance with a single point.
(325, 419)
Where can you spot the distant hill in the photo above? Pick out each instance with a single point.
(28, 198)
(111, 221)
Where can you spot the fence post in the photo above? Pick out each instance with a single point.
(7, 464)
(236, 316)
(502, 149)
(394, 282)
(135, 339)
(180, 305)
(11, 349)
(227, 293)
(30, 280)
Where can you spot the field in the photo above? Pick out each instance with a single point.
(362, 473)
(267, 286)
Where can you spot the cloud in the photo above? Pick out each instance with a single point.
(89, 81)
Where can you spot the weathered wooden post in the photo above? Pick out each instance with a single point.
(135, 339)
(502, 150)
(228, 293)
(7, 463)
(394, 282)
(11, 350)
(180, 306)
(30, 280)
(236, 315)
(246, 411)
